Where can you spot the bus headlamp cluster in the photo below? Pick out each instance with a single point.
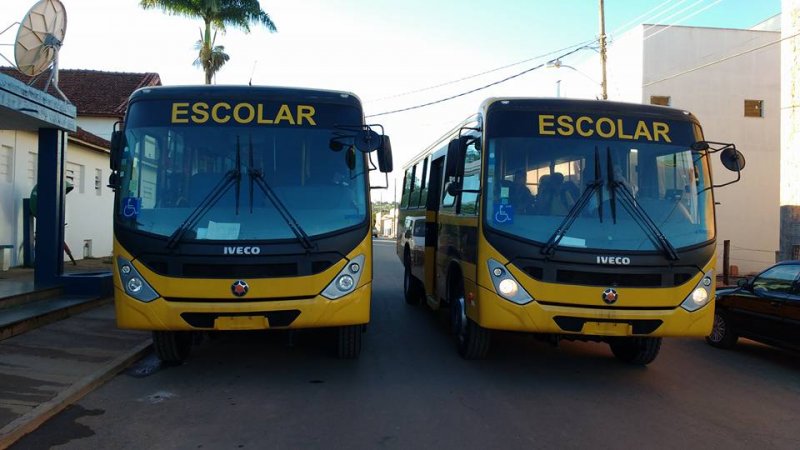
(346, 280)
(133, 282)
(505, 284)
(700, 295)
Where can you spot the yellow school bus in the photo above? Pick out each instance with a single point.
(243, 208)
(573, 219)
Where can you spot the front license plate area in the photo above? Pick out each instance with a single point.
(241, 323)
(607, 328)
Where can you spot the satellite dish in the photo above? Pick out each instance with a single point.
(39, 38)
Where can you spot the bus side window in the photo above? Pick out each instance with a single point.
(471, 180)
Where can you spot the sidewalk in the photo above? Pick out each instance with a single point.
(45, 370)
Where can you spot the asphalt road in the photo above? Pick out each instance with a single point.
(410, 389)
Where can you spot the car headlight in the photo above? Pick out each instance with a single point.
(701, 294)
(505, 285)
(346, 280)
(134, 283)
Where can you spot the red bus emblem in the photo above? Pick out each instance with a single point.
(239, 288)
(610, 296)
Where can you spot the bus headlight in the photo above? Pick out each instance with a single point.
(701, 294)
(505, 284)
(346, 280)
(133, 282)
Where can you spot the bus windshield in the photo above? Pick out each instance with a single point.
(611, 187)
(224, 173)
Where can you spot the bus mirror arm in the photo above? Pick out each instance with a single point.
(731, 158)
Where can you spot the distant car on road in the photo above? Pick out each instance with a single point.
(374, 232)
(764, 308)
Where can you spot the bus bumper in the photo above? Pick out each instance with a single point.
(494, 312)
(317, 312)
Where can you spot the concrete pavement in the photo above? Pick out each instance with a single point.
(45, 370)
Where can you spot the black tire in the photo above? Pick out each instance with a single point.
(349, 341)
(722, 333)
(636, 350)
(472, 339)
(412, 287)
(172, 346)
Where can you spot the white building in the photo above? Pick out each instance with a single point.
(101, 99)
(730, 80)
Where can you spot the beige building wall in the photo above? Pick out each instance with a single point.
(99, 126)
(89, 206)
(690, 65)
(790, 129)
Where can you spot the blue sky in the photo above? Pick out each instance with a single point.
(375, 48)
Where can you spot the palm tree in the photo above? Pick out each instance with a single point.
(216, 13)
(211, 58)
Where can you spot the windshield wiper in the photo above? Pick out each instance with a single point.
(231, 177)
(257, 175)
(583, 200)
(638, 213)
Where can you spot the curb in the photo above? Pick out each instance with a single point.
(32, 420)
(31, 323)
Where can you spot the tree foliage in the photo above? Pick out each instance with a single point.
(218, 14)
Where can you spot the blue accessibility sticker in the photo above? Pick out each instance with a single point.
(131, 207)
(503, 214)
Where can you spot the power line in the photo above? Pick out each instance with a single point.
(680, 11)
(681, 20)
(476, 89)
(446, 83)
(640, 16)
(720, 60)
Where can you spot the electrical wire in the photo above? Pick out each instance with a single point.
(446, 83)
(680, 11)
(703, 66)
(442, 100)
(635, 20)
(681, 20)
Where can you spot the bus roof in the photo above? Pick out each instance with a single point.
(237, 91)
(569, 104)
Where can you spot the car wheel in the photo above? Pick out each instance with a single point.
(172, 346)
(722, 334)
(349, 342)
(635, 350)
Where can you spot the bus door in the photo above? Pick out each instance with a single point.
(432, 226)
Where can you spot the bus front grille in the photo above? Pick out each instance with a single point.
(206, 267)
(618, 277)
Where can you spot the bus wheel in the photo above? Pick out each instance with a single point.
(349, 342)
(722, 334)
(472, 339)
(172, 346)
(412, 289)
(635, 350)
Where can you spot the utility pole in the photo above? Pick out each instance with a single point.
(604, 83)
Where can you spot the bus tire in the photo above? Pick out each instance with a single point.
(635, 350)
(349, 341)
(412, 288)
(172, 346)
(722, 334)
(472, 339)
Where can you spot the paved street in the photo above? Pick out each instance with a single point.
(410, 389)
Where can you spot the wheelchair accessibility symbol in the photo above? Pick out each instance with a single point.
(504, 214)
(131, 207)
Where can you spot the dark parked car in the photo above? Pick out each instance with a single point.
(764, 308)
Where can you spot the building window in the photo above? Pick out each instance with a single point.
(98, 181)
(663, 100)
(33, 166)
(796, 252)
(754, 108)
(6, 162)
(74, 174)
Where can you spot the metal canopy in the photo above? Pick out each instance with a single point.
(25, 108)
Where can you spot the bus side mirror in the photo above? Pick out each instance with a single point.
(453, 188)
(117, 143)
(385, 163)
(732, 159)
(455, 152)
(113, 181)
